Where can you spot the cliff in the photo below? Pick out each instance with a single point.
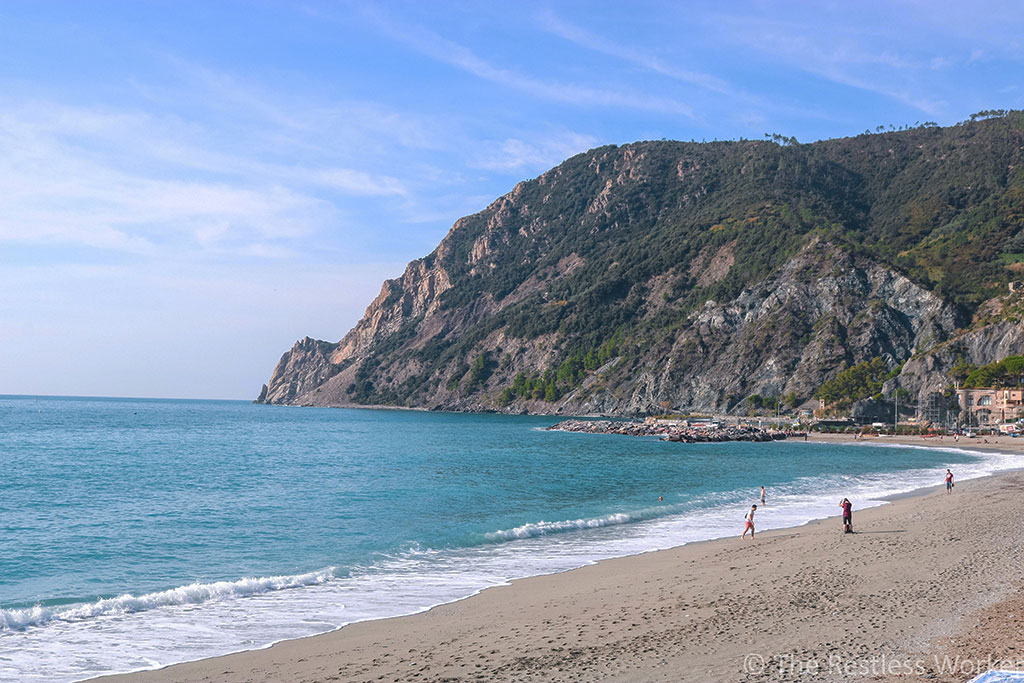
(683, 276)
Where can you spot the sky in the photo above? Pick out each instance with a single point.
(187, 188)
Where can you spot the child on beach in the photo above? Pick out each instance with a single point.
(763, 494)
(949, 481)
(847, 515)
(749, 520)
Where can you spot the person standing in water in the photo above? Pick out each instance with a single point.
(949, 481)
(749, 522)
(763, 494)
(847, 515)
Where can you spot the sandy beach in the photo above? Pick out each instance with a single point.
(929, 587)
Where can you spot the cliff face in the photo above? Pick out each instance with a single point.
(410, 297)
(300, 371)
(823, 310)
(678, 276)
(930, 372)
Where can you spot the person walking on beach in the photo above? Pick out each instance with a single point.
(847, 515)
(749, 522)
(949, 481)
(763, 494)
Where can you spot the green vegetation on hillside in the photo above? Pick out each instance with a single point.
(552, 384)
(628, 241)
(757, 402)
(860, 381)
(1007, 372)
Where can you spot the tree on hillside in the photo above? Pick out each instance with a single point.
(855, 383)
(1007, 372)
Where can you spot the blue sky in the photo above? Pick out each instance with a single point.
(186, 188)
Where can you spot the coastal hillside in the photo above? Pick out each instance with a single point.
(668, 275)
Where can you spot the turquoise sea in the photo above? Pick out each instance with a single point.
(196, 528)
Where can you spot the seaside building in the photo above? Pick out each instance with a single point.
(990, 406)
(935, 409)
(666, 421)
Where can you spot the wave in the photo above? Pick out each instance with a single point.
(192, 594)
(535, 529)
(873, 487)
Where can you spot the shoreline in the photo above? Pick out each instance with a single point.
(290, 657)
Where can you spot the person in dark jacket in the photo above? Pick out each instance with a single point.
(847, 515)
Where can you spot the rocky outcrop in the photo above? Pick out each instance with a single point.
(302, 369)
(822, 311)
(401, 301)
(929, 372)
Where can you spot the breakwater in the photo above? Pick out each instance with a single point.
(671, 432)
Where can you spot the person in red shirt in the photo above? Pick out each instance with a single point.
(847, 515)
(949, 481)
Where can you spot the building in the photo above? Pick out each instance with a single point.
(990, 405)
(934, 409)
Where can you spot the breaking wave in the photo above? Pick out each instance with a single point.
(534, 529)
(192, 594)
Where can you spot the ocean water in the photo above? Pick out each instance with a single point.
(197, 528)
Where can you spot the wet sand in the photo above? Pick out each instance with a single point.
(925, 580)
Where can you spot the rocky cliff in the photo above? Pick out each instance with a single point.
(684, 276)
(930, 372)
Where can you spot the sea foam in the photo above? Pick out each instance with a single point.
(192, 594)
(542, 528)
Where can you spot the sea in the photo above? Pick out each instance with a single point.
(197, 528)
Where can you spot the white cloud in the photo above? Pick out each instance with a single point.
(448, 52)
(552, 23)
(845, 54)
(305, 121)
(125, 180)
(723, 92)
(354, 182)
(514, 154)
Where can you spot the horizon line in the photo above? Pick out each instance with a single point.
(123, 398)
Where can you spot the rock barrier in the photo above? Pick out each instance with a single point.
(681, 434)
